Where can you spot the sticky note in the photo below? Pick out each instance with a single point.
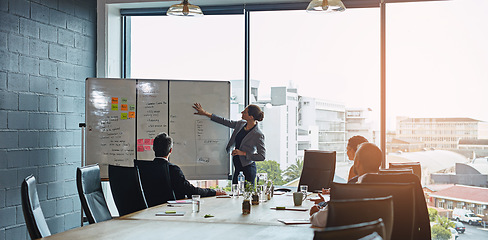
(123, 115)
(132, 114)
(123, 107)
(124, 100)
(132, 107)
(115, 100)
(147, 148)
(140, 141)
(115, 107)
(147, 141)
(152, 141)
(140, 148)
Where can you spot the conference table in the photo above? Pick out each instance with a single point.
(226, 221)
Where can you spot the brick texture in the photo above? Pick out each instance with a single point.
(48, 49)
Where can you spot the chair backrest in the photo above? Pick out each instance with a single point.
(351, 232)
(422, 221)
(353, 211)
(395, 170)
(403, 202)
(126, 189)
(318, 169)
(415, 166)
(154, 181)
(33, 215)
(91, 196)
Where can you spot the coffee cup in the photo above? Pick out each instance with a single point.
(298, 198)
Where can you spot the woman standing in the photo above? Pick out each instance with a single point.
(247, 139)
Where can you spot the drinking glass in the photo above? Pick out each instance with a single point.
(262, 193)
(195, 203)
(235, 190)
(262, 178)
(304, 190)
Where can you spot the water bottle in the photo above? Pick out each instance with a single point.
(240, 181)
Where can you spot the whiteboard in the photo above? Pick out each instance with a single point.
(124, 115)
(199, 143)
(152, 115)
(109, 114)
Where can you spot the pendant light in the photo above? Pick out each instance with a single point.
(184, 9)
(325, 6)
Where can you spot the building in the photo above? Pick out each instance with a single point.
(330, 119)
(473, 173)
(461, 196)
(404, 145)
(474, 147)
(358, 122)
(280, 128)
(441, 133)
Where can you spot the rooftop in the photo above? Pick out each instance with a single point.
(464, 193)
(427, 120)
(473, 142)
(432, 160)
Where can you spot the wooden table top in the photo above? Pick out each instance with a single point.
(228, 222)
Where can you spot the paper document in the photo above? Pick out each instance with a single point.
(294, 221)
(186, 201)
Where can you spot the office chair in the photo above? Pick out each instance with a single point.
(354, 211)
(395, 170)
(33, 215)
(422, 221)
(415, 166)
(91, 196)
(126, 189)
(403, 202)
(318, 169)
(155, 181)
(351, 232)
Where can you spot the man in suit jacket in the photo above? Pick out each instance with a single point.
(181, 188)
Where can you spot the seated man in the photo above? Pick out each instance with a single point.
(181, 188)
(367, 160)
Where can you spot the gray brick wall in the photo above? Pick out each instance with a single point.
(47, 49)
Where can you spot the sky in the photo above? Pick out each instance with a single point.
(436, 55)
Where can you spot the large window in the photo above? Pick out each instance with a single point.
(320, 66)
(208, 48)
(436, 84)
(317, 77)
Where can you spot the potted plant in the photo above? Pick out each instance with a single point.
(246, 203)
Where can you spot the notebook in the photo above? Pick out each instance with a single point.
(170, 213)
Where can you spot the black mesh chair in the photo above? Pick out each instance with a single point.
(126, 189)
(415, 166)
(155, 181)
(33, 215)
(318, 169)
(403, 202)
(351, 232)
(422, 221)
(91, 196)
(353, 211)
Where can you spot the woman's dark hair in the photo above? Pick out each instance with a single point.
(162, 145)
(355, 141)
(255, 112)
